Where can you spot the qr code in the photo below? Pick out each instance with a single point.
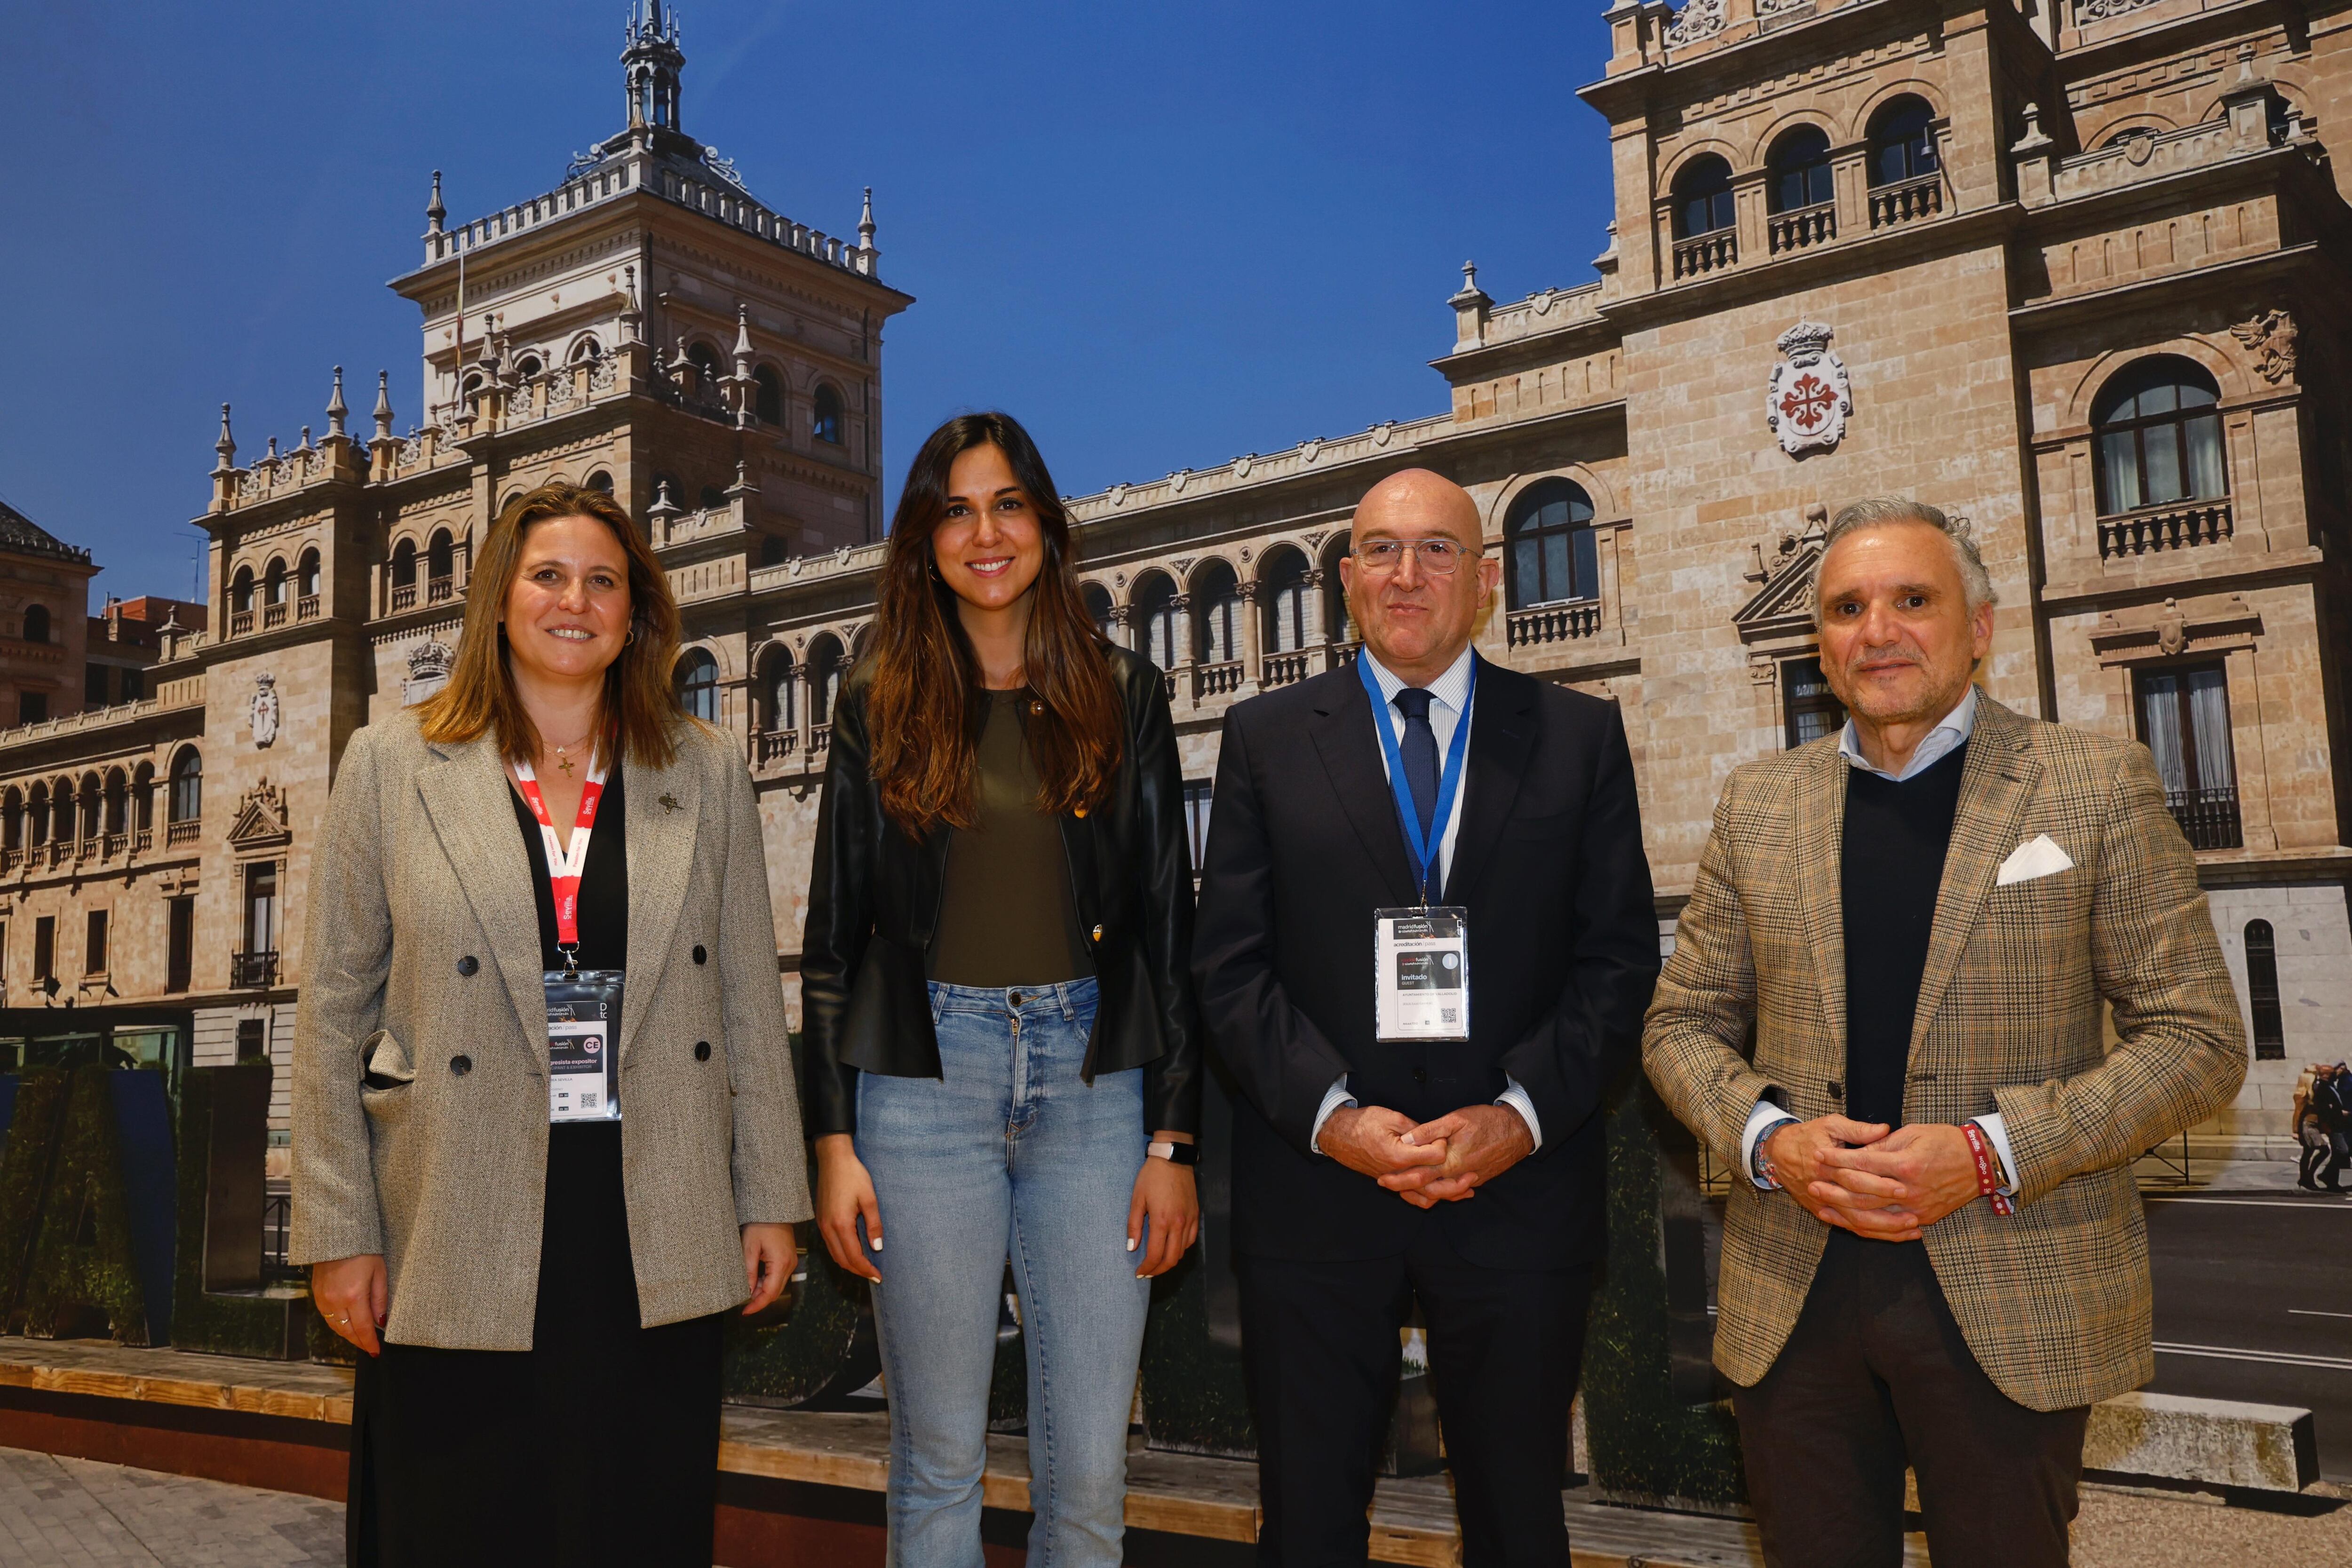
(1449, 1014)
(588, 1097)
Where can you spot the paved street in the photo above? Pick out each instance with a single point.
(2253, 1300)
(77, 1514)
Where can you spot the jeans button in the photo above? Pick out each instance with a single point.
(1012, 998)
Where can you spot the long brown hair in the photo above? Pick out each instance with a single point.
(919, 706)
(638, 708)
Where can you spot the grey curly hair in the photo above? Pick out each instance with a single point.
(1880, 510)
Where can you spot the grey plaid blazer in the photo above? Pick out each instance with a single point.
(2054, 1301)
(419, 865)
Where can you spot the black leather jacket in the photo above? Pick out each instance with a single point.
(873, 908)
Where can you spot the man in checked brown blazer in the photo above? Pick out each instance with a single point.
(1885, 1008)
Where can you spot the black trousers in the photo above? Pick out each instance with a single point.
(1320, 1346)
(1876, 1376)
(598, 1447)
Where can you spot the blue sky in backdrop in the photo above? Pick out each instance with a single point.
(1160, 234)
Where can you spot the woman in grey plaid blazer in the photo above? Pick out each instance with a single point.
(549, 1279)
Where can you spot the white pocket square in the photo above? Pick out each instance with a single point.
(2038, 856)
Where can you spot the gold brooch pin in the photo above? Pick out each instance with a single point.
(669, 802)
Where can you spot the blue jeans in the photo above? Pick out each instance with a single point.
(1009, 1153)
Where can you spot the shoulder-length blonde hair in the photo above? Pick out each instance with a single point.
(639, 708)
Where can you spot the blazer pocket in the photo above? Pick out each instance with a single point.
(385, 1064)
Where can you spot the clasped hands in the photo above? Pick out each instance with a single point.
(1888, 1185)
(1428, 1163)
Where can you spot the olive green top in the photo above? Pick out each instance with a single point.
(1005, 914)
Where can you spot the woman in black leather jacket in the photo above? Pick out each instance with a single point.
(1001, 1051)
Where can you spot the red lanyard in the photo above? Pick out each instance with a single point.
(564, 865)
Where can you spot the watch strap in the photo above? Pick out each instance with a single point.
(1174, 1153)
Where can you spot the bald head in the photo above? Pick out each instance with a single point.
(1415, 503)
(1416, 617)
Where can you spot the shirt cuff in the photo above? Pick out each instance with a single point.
(1333, 1098)
(1516, 1099)
(1760, 1121)
(1998, 1130)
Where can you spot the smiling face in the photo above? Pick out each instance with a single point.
(1899, 639)
(1417, 622)
(988, 546)
(567, 612)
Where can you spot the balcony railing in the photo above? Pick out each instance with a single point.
(1908, 201)
(255, 971)
(820, 737)
(60, 850)
(404, 597)
(1802, 227)
(240, 621)
(1703, 254)
(778, 745)
(306, 607)
(1215, 680)
(440, 590)
(2208, 817)
(2181, 525)
(141, 840)
(275, 614)
(1282, 669)
(1553, 623)
(183, 832)
(11, 858)
(116, 843)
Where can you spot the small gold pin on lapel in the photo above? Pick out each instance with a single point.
(669, 802)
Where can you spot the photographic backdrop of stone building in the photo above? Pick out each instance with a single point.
(2072, 269)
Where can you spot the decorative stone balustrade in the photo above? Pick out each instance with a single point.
(1804, 227)
(1552, 624)
(2182, 526)
(1707, 253)
(1546, 310)
(1216, 680)
(1307, 457)
(1283, 669)
(1908, 201)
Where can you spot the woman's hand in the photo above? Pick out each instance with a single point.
(768, 1253)
(355, 1295)
(844, 1194)
(1164, 1195)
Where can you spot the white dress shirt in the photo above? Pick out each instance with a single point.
(1449, 706)
(1947, 737)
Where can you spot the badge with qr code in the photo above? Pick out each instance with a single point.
(584, 1016)
(1421, 974)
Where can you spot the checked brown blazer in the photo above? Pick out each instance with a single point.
(2054, 1299)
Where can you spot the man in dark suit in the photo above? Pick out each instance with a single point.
(1359, 1144)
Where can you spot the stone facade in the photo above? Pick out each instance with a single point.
(2071, 272)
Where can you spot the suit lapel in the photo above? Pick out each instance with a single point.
(1994, 790)
(1352, 759)
(1502, 737)
(465, 795)
(662, 809)
(1819, 827)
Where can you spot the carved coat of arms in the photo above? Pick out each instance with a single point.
(1810, 395)
(262, 711)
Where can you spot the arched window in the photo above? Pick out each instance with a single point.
(62, 810)
(11, 820)
(440, 556)
(782, 692)
(1553, 554)
(824, 670)
(1157, 624)
(36, 619)
(768, 396)
(1098, 607)
(187, 803)
(825, 415)
(2263, 991)
(600, 480)
(1902, 141)
(274, 582)
(1217, 609)
(37, 816)
(529, 366)
(714, 499)
(1339, 621)
(240, 590)
(2159, 435)
(305, 575)
(705, 360)
(142, 798)
(697, 681)
(118, 802)
(1703, 197)
(92, 803)
(587, 351)
(1283, 584)
(404, 564)
(1800, 164)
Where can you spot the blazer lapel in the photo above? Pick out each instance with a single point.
(465, 795)
(1994, 790)
(662, 809)
(1352, 757)
(1502, 737)
(1819, 827)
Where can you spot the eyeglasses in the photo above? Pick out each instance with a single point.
(1438, 556)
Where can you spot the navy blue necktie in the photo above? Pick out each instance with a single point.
(1419, 747)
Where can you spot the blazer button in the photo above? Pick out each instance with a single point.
(468, 963)
(1837, 1091)
(461, 1065)
(701, 1051)
(700, 957)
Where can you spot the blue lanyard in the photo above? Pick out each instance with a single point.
(1421, 847)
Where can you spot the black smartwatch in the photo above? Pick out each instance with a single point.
(1174, 1154)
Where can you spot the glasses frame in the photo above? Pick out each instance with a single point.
(1447, 547)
